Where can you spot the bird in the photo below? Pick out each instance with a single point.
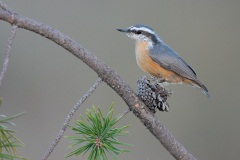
(158, 59)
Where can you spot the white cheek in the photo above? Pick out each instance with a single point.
(131, 36)
(141, 38)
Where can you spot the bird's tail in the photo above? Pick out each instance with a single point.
(206, 93)
(204, 89)
(198, 84)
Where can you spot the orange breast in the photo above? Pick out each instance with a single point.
(149, 66)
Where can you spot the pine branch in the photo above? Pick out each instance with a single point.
(8, 53)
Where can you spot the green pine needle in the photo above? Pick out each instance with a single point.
(8, 141)
(97, 135)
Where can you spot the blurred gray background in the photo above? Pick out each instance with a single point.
(46, 81)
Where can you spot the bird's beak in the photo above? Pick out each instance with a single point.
(123, 30)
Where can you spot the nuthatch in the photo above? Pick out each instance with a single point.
(157, 58)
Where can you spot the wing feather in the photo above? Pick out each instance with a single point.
(170, 60)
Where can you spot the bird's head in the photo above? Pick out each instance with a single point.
(140, 33)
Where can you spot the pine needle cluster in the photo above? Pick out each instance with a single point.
(8, 142)
(97, 135)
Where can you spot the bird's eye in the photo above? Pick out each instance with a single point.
(138, 32)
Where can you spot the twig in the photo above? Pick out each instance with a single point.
(124, 113)
(69, 116)
(8, 53)
(5, 7)
(109, 76)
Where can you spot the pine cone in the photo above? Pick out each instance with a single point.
(152, 94)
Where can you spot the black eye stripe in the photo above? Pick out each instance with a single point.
(137, 31)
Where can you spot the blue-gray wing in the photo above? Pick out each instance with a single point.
(170, 60)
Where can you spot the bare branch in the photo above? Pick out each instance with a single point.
(109, 76)
(8, 53)
(124, 113)
(69, 117)
(5, 7)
